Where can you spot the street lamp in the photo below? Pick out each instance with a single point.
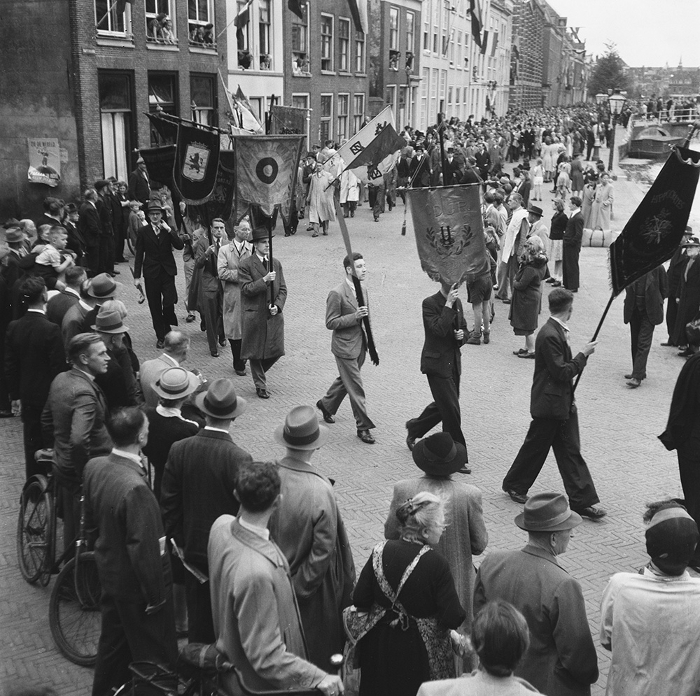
(615, 101)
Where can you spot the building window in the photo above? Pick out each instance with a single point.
(199, 23)
(359, 52)
(160, 27)
(301, 101)
(435, 39)
(326, 42)
(116, 120)
(264, 34)
(242, 24)
(162, 96)
(391, 97)
(108, 20)
(425, 91)
(326, 127)
(358, 112)
(203, 96)
(426, 33)
(394, 28)
(300, 42)
(258, 106)
(343, 110)
(343, 45)
(410, 32)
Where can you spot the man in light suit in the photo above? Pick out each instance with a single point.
(210, 293)
(175, 348)
(197, 488)
(572, 245)
(554, 415)
(349, 345)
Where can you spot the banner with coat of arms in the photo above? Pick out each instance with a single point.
(449, 232)
(196, 163)
(266, 172)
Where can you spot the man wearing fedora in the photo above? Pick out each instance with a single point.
(561, 658)
(154, 257)
(175, 350)
(554, 415)
(74, 319)
(349, 346)
(308, 528)
(439, 457)
(139, 183)
(197, 488)
(263, 294)
(101, 288)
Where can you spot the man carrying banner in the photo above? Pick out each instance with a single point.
(263, 294)
(349, 345)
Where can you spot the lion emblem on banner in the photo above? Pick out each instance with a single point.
(195, 165)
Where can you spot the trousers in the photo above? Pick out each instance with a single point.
(162, 298)
(258, 369)
(349, 382)
(641, 335)
(200, 625)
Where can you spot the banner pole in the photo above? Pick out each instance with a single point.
(597, 331)
(441, 134)
(270, 222)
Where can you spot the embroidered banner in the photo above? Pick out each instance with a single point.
(196, 163)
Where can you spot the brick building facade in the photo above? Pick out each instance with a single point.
(526, 71)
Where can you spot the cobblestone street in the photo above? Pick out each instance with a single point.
(619, 426)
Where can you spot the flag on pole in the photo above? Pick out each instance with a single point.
(266, 173)
(494, 44)
(242, 18)
(449, 232)
(196, 163)
(250, 121)
(285, 120)
(296, 6)
(655, 230)
(366, 135)
(476, 21)
(358, 11)
(379, 157)
(160, 162)
(485, 43)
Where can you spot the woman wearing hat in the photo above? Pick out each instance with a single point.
(439, 457)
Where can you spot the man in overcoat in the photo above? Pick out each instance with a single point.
(554, 414)
(230, 257)
(130, 553)
(308, 528)
(263, 294)
(349, 346)
(643, 310)
(561, 659)
(441, 362)
(90, 229)
(676, 267)
(572, 245)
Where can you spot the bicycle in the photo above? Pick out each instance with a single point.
(74, 606)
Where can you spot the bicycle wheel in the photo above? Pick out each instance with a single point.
(74, 610)
(35, 529)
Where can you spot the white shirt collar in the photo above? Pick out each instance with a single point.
(128, 455)
(574, 211)
(168, 411)
(38, 311)
(218, 430)
(85, 305)
(172, 360)
(263, 532)
(72, 291)
(561, 323)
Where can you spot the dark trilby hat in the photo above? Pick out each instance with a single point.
(535, 210)
(109, 322)
(155, 206)
(439, 455)
(259, 234)
(103, 287)
(14, 235)
(220, 400)
(101, 183)
(547, 512)
(176, 383)
(301, 430)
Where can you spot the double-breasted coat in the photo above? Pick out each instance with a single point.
(527, 296)
(229, 259)
(262, 333)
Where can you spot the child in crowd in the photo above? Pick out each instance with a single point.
(52, 260)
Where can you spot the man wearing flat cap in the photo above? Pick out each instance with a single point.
(139, 183)
(154, 255)
(197, 487)
(649, 620)
(561, 659)
(308, 528)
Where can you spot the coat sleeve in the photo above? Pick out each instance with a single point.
(262, 638)
(478, 534)
(335, 319)
(363, 595)
(607, 605)
(529, 274)
(226, 274)
(281, 297)
(250, 287)
(84, 414)
(200, 252)
(56, 352)
(138, 254)
(11, 365)
(480, 598)
(572, 636)
(559, 369)
(438, 321)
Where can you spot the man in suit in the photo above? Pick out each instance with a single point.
(73, 423)
(263, 294)
(554, 414)
(175, 348)
(572, 245)
(139, 183)
(106, 210)
(441, 362)
(210, 292)
(419, 169)
(676, 267)
(308, 528)
(256, 615)
(33, 357)
(453, 170)
(90, 229)
(349, 345)
(643, 310)
(561, 658)
(197, 488)
(53, 212)
(154, 254)
(74, 319)
(130, 554)
(59, 304)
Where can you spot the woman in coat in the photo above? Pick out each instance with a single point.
(587, 203)
(689, 297)
(602, 204)
(439, 457)
(576, 175)
(409, 644)
(320, 200)
(349, 192)
(527, 295)
(230, 257)
(556, 235)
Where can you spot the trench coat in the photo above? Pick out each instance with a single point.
(602, 207)
(349, 187)
(262, 334)
(527, 296)
(307, 526)
(320, 198)
(227, 265)
(464, 537)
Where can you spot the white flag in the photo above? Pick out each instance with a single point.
(365, 136)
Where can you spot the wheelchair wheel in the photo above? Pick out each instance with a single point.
(35, 529)
(74, 610)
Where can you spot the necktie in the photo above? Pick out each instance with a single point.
(266, 264)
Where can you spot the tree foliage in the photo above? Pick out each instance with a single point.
(608, 73)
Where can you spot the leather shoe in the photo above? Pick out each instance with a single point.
(527, 356)
(629, 376)
(517, 497)
(6, 414)
(505, 301)
(592, 512)
(520, 351)
(464, 470)
(241, 373)
(190, 318)
(634, 383)
(262, 393)
(685, 353)
(327, 415)
(160, 344)
(215, 354)
(366, 437)
(556, 284)
(668, 344)
(222, 342)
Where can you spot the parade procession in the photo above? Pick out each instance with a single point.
(330, 366)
